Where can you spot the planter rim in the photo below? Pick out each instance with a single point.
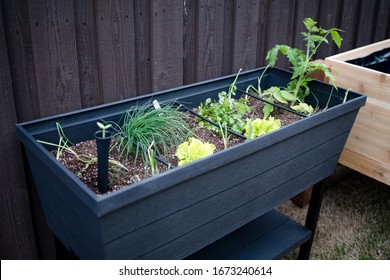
(155, 95)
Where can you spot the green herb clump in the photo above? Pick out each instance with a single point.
(258, 127)
(193, 149)
(145, 128)
(227, 111)
(302, 65)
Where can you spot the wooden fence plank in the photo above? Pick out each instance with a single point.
(87, 53)
(55, 56)
(367, 23)
(280, 28)
(261, 38)
(17, 239)
(328, 18)
(210, 39)
(189, 41)
(304, 9)
(21, 60)
(142, 47)
(246, 29)
(167, 43)
(382, 28)
(228, 38)
(348, 21)
(116, 45)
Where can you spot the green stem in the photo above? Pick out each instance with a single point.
(303, 74)
(309, 57)
(69, 150)
(82, 158)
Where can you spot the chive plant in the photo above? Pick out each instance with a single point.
(146, 130)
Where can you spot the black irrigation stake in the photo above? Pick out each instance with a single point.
(103, 150)
(103, 142)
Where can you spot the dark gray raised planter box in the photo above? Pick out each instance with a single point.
(176, 213)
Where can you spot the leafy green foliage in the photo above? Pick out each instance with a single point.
(193, 149)
(303, 108)
(303, 65)
(227, 111)
(259, 127)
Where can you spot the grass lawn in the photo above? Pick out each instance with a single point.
(354, 221)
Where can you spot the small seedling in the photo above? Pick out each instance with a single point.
(103, 128)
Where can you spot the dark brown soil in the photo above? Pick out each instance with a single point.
(135, 170)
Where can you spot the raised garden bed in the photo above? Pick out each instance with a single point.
(366, 69)
(178, 212)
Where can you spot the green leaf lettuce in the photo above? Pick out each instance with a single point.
(193, 149)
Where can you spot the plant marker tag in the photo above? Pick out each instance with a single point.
(156, 104)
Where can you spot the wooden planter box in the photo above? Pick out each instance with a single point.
(368, 147)
(176, 213)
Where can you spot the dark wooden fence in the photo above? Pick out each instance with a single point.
(62, 55)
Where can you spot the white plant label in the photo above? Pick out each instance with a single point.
(156, 104)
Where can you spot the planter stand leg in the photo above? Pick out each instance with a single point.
(312, 218)
(63, 253)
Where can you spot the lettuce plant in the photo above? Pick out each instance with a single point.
(257, 127)
(193, 149)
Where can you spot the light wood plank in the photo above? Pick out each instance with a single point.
(367, 166)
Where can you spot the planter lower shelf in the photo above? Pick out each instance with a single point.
(178, 212)
(264, 238)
